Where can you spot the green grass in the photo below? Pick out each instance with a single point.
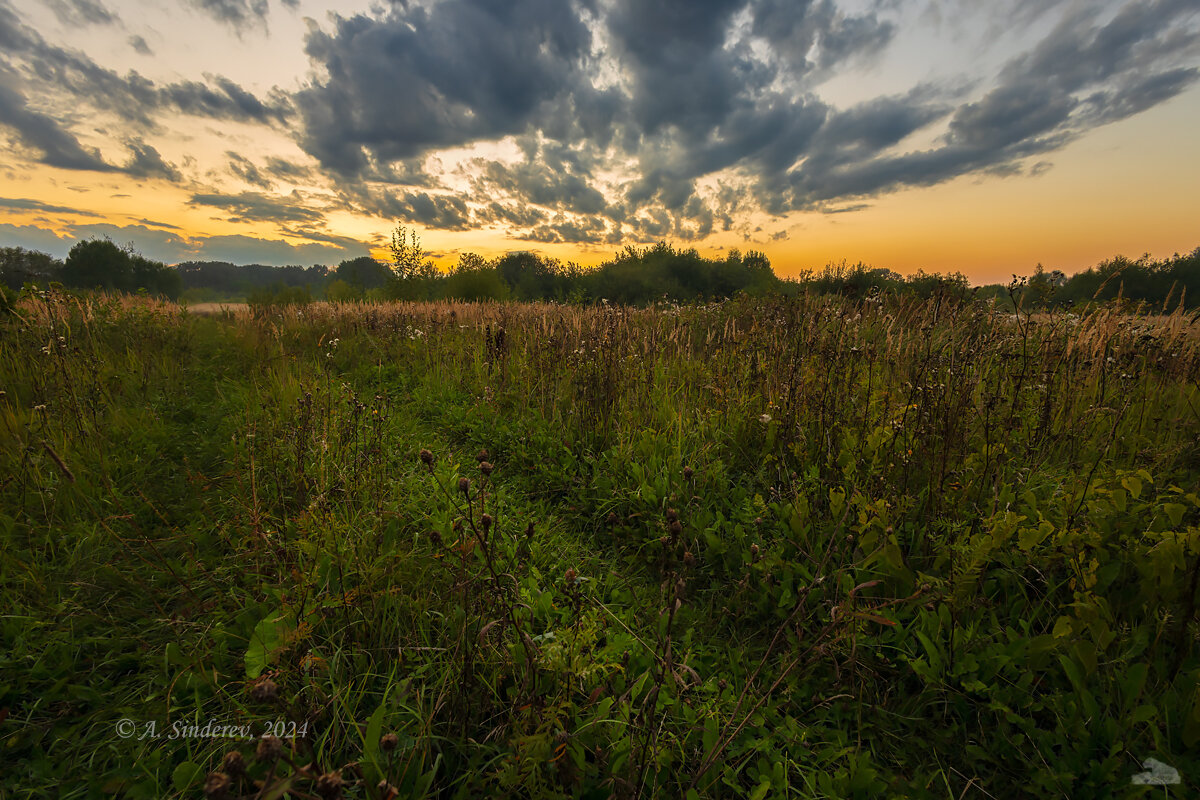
(802, 547)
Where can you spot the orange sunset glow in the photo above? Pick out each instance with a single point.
(943, 136)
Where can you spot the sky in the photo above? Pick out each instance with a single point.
(943, 135)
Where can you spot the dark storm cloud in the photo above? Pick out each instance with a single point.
(257, 207)
(673, 92)
(81, 12)
(418, 79)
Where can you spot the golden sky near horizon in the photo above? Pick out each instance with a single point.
(933, 134)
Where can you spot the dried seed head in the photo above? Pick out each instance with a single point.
(464, 485)
(329, 786)
(426, 457)
(676, 528)
(270, 748)
(485, 467)
(233, 764)
(265, 691)
(758, 520)
(570, 575)
(482, 455)
(688, 472)
(486, 521)
(672, 515)
(612, 518)
(217, 786)
(754, 550)
(389, 742)
(689, 559)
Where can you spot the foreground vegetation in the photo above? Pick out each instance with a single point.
(785, 547)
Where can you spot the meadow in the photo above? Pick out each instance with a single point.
(807, 546)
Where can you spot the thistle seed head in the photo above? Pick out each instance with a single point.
(217, 786)
(265, 691)
(329, 786)
(233, 764)
(270, 748)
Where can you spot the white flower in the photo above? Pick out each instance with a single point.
(764, 419)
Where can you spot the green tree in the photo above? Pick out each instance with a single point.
(98, 264)
(408, 259)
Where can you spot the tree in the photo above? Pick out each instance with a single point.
(408, 259)
(19, 266)
(364, 273)
(98, 264)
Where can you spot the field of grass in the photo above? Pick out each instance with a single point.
(805, 547)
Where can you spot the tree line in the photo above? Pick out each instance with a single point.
(633, 276)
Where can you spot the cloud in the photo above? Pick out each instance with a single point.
(172, 248)
(257, 207)
(418, 79)
(81, 12)
(48, 70)
(56, 147)
(22, 204)
(237, 13)
(244, 169)
(146, 162)
(140, 46)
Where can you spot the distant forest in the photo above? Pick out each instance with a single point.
(635, 276)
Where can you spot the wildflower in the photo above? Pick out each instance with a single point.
(570, 575)
(764, 419)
